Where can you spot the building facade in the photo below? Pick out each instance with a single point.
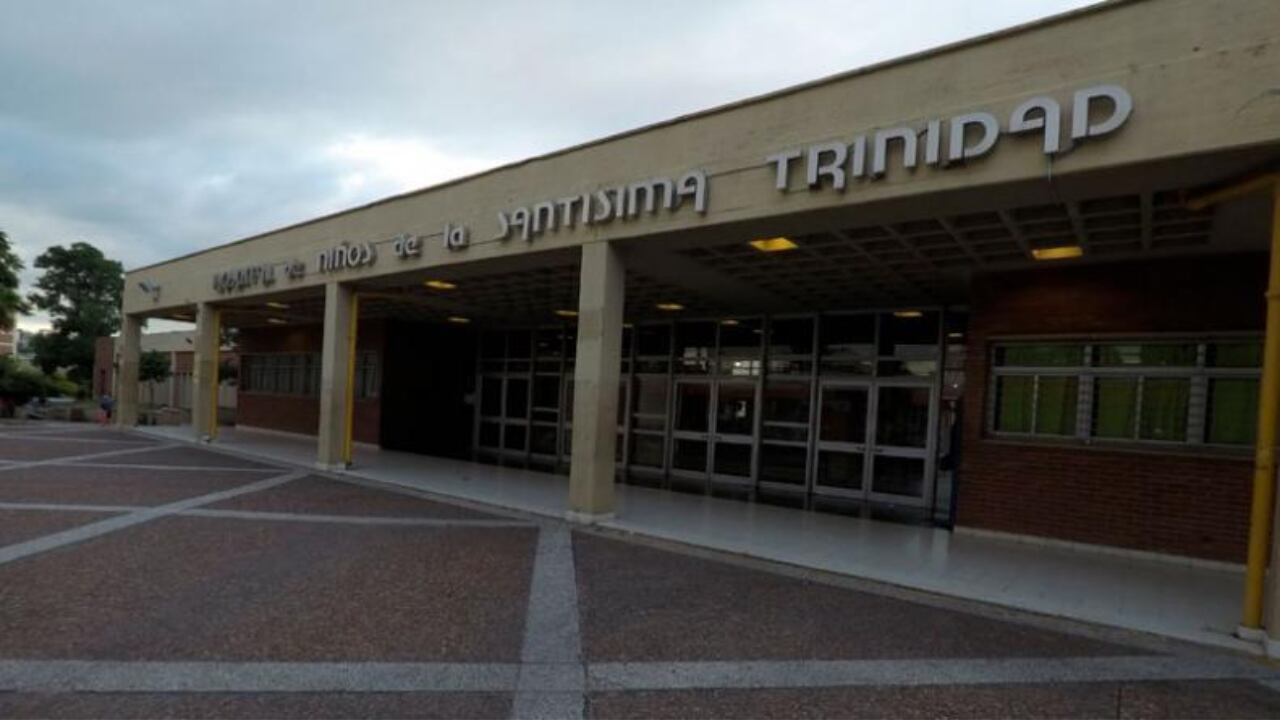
(1016, 285)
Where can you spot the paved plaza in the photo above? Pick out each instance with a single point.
(143, 578)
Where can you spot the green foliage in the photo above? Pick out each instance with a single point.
(12, 303)
(65, 386)
(153, 366)
(81, 290)
(20, 383)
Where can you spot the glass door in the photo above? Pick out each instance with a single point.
(691, 432)
(844, 415)
(900, 464)
(734, 433)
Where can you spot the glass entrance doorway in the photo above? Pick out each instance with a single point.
(799, 408)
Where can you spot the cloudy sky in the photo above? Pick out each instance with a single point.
(154, 128)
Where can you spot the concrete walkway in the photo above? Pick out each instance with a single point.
(1163, 597)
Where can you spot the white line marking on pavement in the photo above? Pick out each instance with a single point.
(102, 527)
(62, 437)
(278, 516)
(194, 468)
(551, 672)
(71, 459)
(354, 519)
(70, 507)
(98, 676)
(967, 671)
(366, 677)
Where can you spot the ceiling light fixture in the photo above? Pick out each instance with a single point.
(955, 335)
(277, 321)
(1060, 252)
(669, 306)
(773, 244)
(907, 313)
(278, 305)
(440, 285)
(729, 321)
(567, 313)
(458, 319)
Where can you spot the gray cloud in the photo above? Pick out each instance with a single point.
(154, 128)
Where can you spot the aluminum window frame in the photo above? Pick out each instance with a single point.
(1088, 371)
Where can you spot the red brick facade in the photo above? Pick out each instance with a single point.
(1192, 503)
(300, 414)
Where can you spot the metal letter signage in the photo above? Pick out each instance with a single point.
(1095, 111)
(346, 256)
(245, 277)
(406, 246)
(623, 202)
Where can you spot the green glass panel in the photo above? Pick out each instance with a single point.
(1013, 404)
(1114, 406)
(1146, 355)
(1233, 411)
(1235, 355)
(1164, 409)
(1040, 355)
(1056, 406)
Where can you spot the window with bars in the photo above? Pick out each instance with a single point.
(1182, 391)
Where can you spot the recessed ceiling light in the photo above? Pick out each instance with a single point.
(278, 305)
(458, 319)
(440, 285)
(907, 313)
(567, 313)
(277, 321)
(729, 321)
(1060, 252)
(774, 244)
(955, 335)
(670, 306)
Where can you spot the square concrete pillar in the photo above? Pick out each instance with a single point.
(204, 381)
(127, 377)
(336, 364)
(595, 383)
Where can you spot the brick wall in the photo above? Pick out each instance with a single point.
(296, 413)
(1178, 502)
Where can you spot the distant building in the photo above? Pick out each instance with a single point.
(9, 342)
(173, 393)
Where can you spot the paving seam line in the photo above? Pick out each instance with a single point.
(71, 507)
(102, 527)
(69, 460)
(546, 688)
(353, 519)
(552, 678)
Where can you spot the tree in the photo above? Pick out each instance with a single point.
(153, 367)
(20, 383)
(81, 290)
(11, 302)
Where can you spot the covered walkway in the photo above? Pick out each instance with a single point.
(1184, 601)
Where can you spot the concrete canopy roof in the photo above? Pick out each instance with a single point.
(1204, 110)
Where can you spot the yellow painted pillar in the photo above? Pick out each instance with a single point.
(595, 383)
(204, 381)
(126, 413)
(337, 374)
(1262, 549)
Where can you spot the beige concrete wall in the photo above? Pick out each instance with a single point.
(1202, 74)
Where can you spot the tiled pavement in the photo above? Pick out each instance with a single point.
(141, 579)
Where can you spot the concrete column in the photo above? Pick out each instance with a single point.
(334, 449)
(127, 376)
(173, 378)
(204, 380)
(595, 383)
